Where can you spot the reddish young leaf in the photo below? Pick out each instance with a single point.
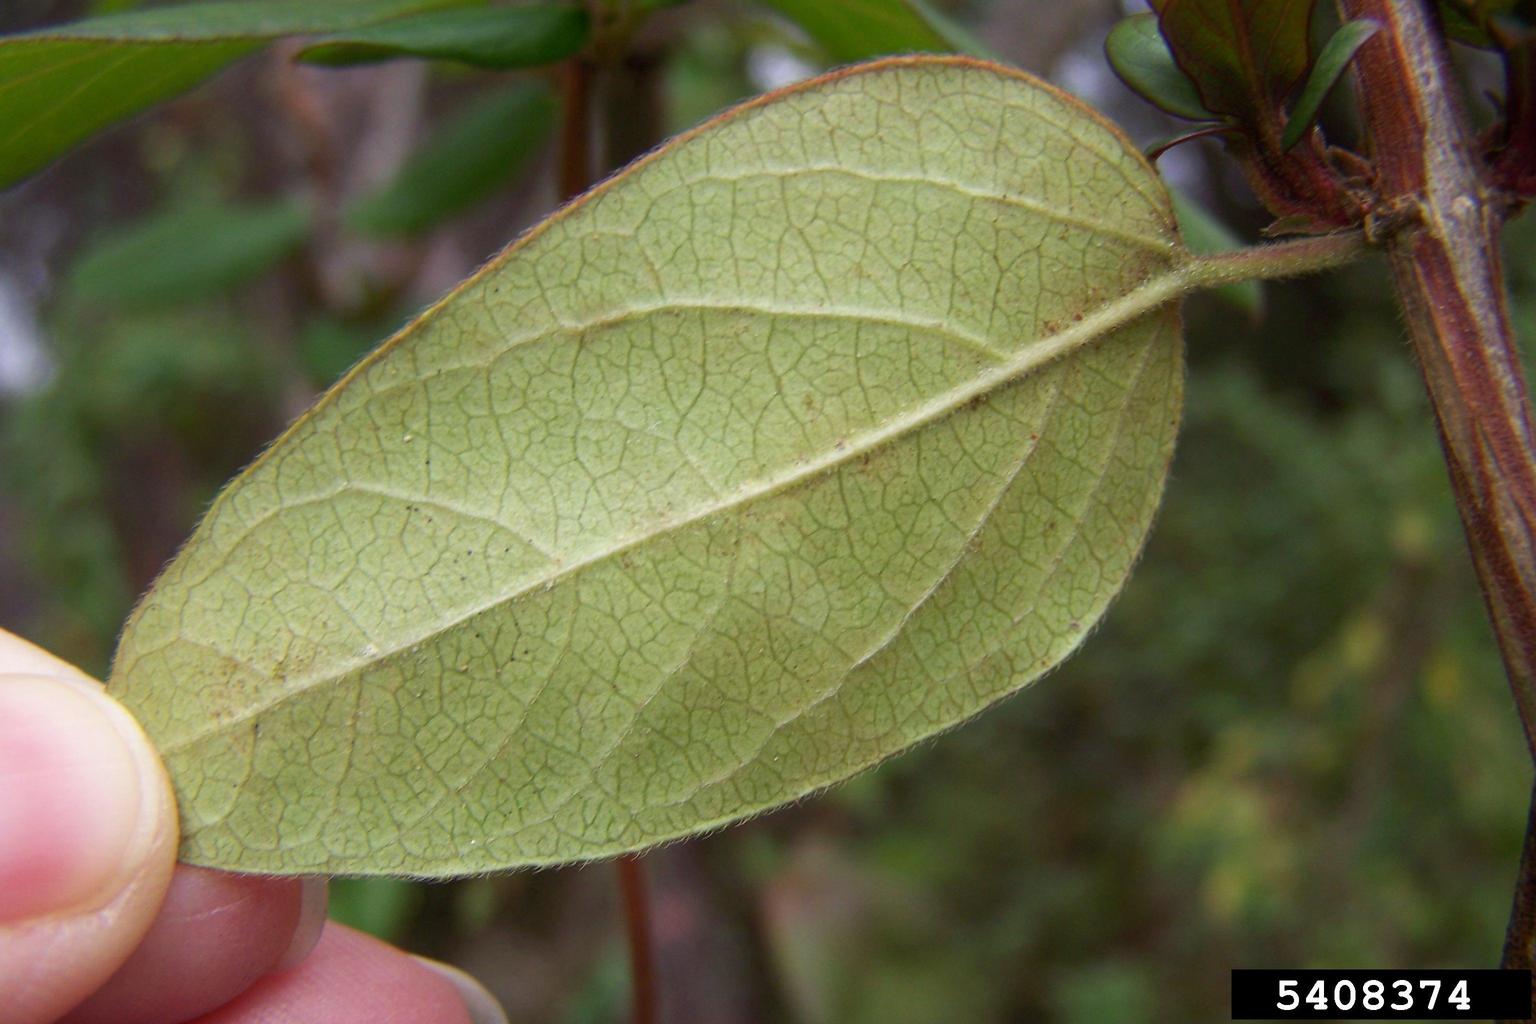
(1245, 56)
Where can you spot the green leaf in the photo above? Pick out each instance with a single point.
(1204, 233)
(856, 29)
(806, 437)
(1332, 60)
(957, 38)
(1244, 56)
(61, 85)
(188, 252)
(1139, 54)
(497, 37)
(485, 147)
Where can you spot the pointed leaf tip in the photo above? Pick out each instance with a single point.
(1331, 63)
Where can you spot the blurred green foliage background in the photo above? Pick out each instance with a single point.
(1291, 743)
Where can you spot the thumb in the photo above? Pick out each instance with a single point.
(87, 834)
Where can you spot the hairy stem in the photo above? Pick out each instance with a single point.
(1290, 258)
(1448, 277)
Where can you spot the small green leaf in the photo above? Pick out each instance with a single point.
(1204, 233)
(188, 253)
(804, 438)
(1244, 56)
(63, 84)
(853, 30)
(1332, 60)
(482, 149)
(1140, 56)
(499, 38)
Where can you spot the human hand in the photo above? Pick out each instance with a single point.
(99, 924)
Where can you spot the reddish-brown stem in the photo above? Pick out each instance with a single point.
(1449, 278)
(1522, 915)
(637, 925)
(1446, 268)
(576, 128)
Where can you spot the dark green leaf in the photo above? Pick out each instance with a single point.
(215, 20)
(1244, 56)
(1140, 56)
(482, 149)
(61, 85)
(188, 253)
(100, 7)
(1331, 62)
(495, 37)
(856, 29)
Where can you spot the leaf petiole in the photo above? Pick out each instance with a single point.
(1290, 258)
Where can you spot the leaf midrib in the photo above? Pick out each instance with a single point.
(1152, 293)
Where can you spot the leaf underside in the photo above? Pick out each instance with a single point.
(805, 438)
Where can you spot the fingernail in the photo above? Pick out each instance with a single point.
(80, 800)
(314, 899)
(482, 1006)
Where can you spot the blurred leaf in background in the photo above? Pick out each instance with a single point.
(382, 907)
(188, 252)
(859, 29)
(478, 150)
(497, 38)
(60, 85)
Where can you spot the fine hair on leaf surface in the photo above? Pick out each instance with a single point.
(809, 435)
